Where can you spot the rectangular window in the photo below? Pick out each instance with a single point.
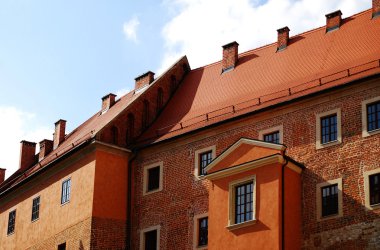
(243, 202)
(373, 116)
(11, 222)
(153, 178)
(204, 159)
(36, 208)
(329, 200)
(329, 128)
(66, 191)
(150, 240)
(203, 231)
(374, 189)
(62, 246)
(272, 137)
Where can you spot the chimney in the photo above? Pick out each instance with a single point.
(46, 146)
(375, 8)
(144, 79)
(27, 154)
(333, 20)
(59, 133)
(230, 56)
(108, 101)
(2, 175)
(282, 38)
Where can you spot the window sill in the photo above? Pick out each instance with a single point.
(35, 220)
(375, 206)
(367, 133)
(201, 247)
(241, 225)
(328, 217)
(10, 234)
(152, 191)
(62, 204)
(328, 144)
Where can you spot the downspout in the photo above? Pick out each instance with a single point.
(129, 201)
(283, 200)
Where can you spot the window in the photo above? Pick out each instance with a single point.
(153, 178)
(150, 238)
(371, 116)
(242, 199)
(173, 84)
(130, 129)
(160, 100)
(62, 246)
(273, 134)
(145, 115)
(272, 137)
(11, 222)
(372, 189)
(328, 128)
(66, 190)
(329, 199)
(203, 157)
(36, 208)
(203, 231)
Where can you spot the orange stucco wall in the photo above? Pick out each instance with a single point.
(54, 217)
(265, 234)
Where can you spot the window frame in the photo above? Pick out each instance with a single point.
(14, 222)
(145, 178)
(197, 159)
(318, 130)
(38, 209)
(365, 103)
(279, 128)
(366, 176)
(146, 230)
(232, 198)
(70, 189)
(319, 187)
(196, 220)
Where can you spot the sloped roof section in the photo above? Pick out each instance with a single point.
(313, 61)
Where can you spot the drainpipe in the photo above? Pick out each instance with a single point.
(283, 201)
(129, 201)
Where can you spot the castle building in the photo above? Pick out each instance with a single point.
(274, 148)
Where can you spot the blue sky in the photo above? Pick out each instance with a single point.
(58, 58)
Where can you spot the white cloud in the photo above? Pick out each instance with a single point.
(17, 125)
(130, 29)
(200, 27)
(122, 92)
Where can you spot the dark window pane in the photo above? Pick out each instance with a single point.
(243, 202)
(272, 137)
(151, 240)
(373, 116)
(203, 232)
(66, 190)
(36, 208)
(329, 200)
(62, 246)
(329, 128)
(205, 159)
(11, 222)
(153, 178)
(374, 189)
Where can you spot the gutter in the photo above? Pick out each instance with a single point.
(129, 200)
(283, 200)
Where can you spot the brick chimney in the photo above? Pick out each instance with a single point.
(59, 133)
(144, 79)
(46, 146)
(108, 101)
(2, 175)
(230, 56)
(282, 38)
(333, 20)
(375, 8)
(27, 154)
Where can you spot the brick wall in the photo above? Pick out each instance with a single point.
(108, 234)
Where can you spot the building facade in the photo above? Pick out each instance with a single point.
(273, 148)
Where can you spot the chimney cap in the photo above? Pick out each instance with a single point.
(228, 45)
(45, 140)
(334, 14)
(283, 29)
(60, 120)
(108, 95)
(28, 143)
(144, 75)
(3, 169)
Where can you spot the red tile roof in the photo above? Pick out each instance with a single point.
(313, 61)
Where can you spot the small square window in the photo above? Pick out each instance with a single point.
(152, 179)
(203, 232)
(204, 159)
(373, 116)
(329, 200)
(36, 208)
(11, 222)
(374, 189)
(272, 134)
(329, 128)
(62, 246)
(66, 191)
(273, 137)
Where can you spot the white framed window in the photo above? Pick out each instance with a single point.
(203, 157)
(329, 199)
(200, 238)
(371, 116)
(372, 189)
(153, 178)
(328, 128)
(150, 238)
(242, 203)
(273, 135)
